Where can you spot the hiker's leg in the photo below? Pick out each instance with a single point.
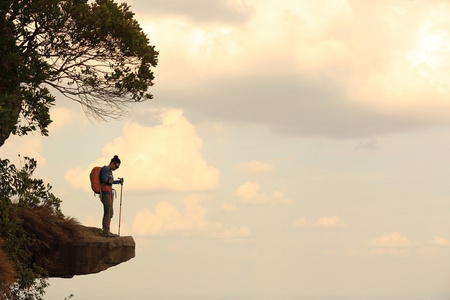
(112, 206)
(105, 201)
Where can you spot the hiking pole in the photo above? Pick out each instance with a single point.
(120, 210)
(109, 213)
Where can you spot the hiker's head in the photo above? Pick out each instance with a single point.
(115, 161)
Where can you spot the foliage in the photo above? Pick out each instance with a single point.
(18, 189)
(93, 52)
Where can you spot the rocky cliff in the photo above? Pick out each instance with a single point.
(64, 248)
(89, 253)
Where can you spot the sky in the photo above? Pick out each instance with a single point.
(293, 150)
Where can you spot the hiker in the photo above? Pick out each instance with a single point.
(106, 195)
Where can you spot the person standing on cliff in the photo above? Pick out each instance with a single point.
(106, 195)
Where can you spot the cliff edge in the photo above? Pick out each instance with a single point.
(65, 248)
(90, 253)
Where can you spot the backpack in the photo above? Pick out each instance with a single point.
(95, 179)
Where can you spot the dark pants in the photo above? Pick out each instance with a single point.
(106, 199)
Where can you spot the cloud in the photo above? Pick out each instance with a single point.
(168, 218)
(28, 145)
(391, 244)
(254, 167)
(221, 11)
(324, 222)
(249, 193)
(161, 157)
(390, 240)
(321, 68)
(440, 241)
(304, 106)
(395, 244)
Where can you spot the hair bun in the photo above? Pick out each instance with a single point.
(115, 159)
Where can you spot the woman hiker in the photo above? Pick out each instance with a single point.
(106, 195)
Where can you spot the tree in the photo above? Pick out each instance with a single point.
(93, 52)
(20, 192)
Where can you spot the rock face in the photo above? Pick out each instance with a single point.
(63, 247)
(89, 253)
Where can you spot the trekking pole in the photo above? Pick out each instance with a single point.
(109, 212)
(120, 210)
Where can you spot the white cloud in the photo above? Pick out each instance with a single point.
(391, 244)
(390, 240)
(168, 218)
(430, 55)
(162, 157)
(440, 241)
(254, 167)
(324, 222)
(374, 83)
(249, 193)
(395, 244)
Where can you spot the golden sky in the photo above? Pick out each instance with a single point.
(293, 150)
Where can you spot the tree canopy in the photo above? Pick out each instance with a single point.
(93, 52)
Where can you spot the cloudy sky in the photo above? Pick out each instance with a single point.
(293, 150)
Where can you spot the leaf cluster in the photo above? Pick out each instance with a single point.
(93, 52)
(24, 101)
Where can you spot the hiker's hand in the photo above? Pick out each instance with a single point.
(121, 180)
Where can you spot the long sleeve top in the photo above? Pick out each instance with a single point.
(105, 175)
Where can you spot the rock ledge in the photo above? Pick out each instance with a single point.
(90, 252)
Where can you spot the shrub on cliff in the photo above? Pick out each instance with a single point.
(20, 193)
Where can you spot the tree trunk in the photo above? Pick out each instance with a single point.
(10, 97)
(10, 107)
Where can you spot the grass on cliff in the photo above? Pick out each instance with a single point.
(31, 223)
